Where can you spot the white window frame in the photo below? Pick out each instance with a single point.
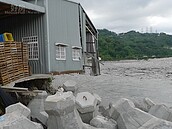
(60, 52)
(33, 48)
(76, 53)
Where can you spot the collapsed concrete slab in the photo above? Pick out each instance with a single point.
(86, 104)
(17, 121)
(129, 117)
(102, 122)
(70, 85)
(36, 106)
(162, 112)
(61, 111)
(20, 109)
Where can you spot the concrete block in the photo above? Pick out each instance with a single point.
(60, 104)
(149, 102)
(156, 123)
(85, 102)
(15, 121)
(70, 85)
(19, 108)
(61, 111)
(104, 111)
(36, 106)
(99, 99)
(143, 104)
(96, 112)
(127, 116)
(86, 117)
(102, 122)
(161, 111)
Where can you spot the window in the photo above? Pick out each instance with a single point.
(60, 52)
(32, 42)
(76, 54)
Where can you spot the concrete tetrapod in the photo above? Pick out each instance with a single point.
(86, 104)
(37, 107)
(60, 108)
(143, 104)
(162, 112)
(129, 117)
(70, 85)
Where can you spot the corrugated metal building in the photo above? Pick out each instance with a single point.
(60, 35)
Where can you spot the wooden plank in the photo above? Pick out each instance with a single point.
(14, 88)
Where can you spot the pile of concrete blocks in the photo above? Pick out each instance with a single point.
(16, 117)
(36, 105)
(62, 112)
(130, 117)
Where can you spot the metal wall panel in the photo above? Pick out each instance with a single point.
(83, 28)
(24, 26)
(63, 28)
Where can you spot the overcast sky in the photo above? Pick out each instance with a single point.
(125, 15)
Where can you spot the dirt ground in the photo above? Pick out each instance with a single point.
(134, 79)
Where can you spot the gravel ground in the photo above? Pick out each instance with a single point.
(134, 79)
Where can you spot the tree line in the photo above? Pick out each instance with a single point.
(133, 45)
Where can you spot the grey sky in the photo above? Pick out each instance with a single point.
(126, 15)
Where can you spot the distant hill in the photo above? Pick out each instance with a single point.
(133, 45)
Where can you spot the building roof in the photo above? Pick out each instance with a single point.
(23, 4)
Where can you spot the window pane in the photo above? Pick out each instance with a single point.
(60, 52)
(32, 46)
(76, 54)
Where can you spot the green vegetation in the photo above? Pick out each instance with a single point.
(134, 45)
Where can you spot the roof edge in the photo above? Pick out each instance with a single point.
(25, 5)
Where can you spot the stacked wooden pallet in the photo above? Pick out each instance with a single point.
(13, 61)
